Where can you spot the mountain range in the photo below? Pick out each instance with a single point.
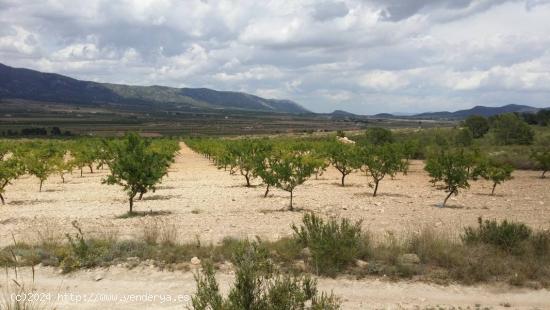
(35, 86)
(18, 83)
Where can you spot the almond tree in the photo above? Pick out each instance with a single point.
(291, 169)
(344, 157)
(497, 173)
(383, 160)
(136, 166)
(450, 168)
(39, 159)
(10, 168)
(542, 158)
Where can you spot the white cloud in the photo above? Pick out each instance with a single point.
(365, 56)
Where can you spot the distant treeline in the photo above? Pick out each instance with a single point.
(541, 118)
(36, 131)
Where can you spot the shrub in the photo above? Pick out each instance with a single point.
(259, 286)
(505, 235)
(334, 245)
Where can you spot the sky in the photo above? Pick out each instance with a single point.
(362, 56)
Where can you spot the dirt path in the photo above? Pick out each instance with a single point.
(118, 286)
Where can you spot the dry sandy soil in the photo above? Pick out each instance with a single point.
(210, 204)
(118, 285)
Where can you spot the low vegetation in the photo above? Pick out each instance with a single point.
(490, 252)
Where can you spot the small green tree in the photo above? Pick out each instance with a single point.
(496, 173)
(39, 159)
(479, 125)
(450, 168)
(344, 157)
(542, 157)
(291, 169)
(85, 153)
(510, 129)
(136, 166)
(10, 168)
(379, 161)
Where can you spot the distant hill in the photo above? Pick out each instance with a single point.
(480, 110)
(17, 83)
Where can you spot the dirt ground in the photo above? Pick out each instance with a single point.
(209, 204)
(146, 288)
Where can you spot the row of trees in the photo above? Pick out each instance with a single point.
(135, 163)
(287, 163)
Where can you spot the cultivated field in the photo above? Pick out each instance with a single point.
(208, 204)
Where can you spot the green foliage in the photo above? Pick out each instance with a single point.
(344, 157)
(291, 169)
(259, 286)
(495, 172)
(137, 165)
(505, 235)
(85, 153)
(478, 125)
(40, 159)
(379, 136)
(510, 129)
(452, 168)
(10, 167)
(383, 160)
(334, 245)
(464, 137)
(542, 158)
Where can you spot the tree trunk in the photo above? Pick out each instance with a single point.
(543, 174)
(140, 195)
(247, 180)
(375, 188)
(446, 198)
(266, 191)
(2, 199)
(493, 191)
(81, 171)
(91, 169)
(343, 177)
(131, 204)
(62, 179)
(41, 181)
(291, 206)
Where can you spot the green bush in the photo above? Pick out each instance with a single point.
(507, 236)
(258, 286)
(333, 245)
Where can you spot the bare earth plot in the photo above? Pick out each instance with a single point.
(210, 204)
